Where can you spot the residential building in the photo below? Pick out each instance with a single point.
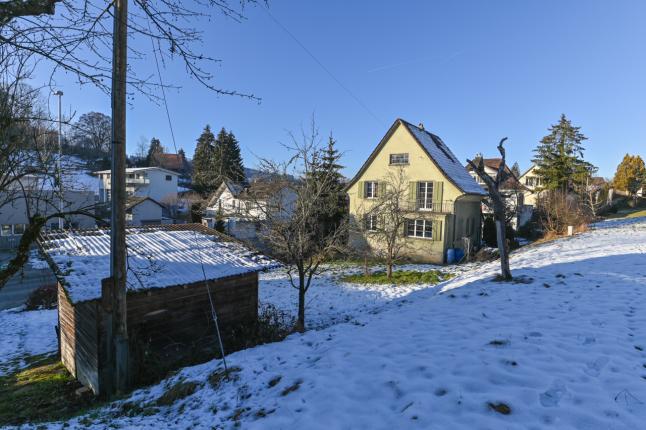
(511, 190)
(155, 182)
(242, 207)
(444, 202)
(532, 183)
(14, 213)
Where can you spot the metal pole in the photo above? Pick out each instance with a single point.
(118, 191)
(59, 93)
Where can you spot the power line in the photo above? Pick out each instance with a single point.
(325, 69)
(161, 84)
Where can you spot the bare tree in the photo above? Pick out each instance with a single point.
(76, 37)
(498, 205)
(291, 214)
(382, 219)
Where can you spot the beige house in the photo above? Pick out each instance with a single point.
(444, 201)
(532, 183)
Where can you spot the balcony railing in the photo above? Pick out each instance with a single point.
(445, 206)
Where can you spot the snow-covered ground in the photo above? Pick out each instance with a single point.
(24, 334)
(565, 349)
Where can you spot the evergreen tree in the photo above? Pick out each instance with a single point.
(233, 167)
(559, 157)
(204, 177)
(515, 169)
(630, 175)
(154, 151)
(328, 169)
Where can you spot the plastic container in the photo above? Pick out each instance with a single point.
(459, 254)
(450, 256)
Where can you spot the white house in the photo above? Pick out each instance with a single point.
(155, 182)
(532, 182)
(242, 207)
(144, 211)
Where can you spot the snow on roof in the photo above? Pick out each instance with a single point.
(158, 257)
(446, 160)
(139, 169)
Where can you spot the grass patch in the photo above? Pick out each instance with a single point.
(628, 213)
(400, 277)
(176, 392)
(43, 392)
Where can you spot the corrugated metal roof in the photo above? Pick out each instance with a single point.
(158, 257)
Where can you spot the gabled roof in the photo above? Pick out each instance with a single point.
(437, 151)
(133, 201)
(512, 183)
(158, 257)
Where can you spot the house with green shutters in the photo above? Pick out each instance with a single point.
(442, 204)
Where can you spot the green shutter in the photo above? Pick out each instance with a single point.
(438, 190)
(412, 194)
(405, 232)
(362, 190)
(437, 230)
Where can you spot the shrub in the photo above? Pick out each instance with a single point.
(489, 232)
(44, 297)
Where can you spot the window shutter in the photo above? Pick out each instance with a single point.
(438, 189)
(405, 230)
(437, 230)
(377, 189)
(412, 194)
(362, 189)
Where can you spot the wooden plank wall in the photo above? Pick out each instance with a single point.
(79, 337)
(183, 313)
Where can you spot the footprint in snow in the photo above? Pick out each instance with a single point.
(553, 396)
(594, 368)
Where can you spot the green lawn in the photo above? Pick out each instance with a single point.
(629, 213)
(400, 277)
(45, 391)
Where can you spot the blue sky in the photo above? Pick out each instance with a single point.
(471, 71)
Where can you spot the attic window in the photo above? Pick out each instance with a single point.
(398, 159)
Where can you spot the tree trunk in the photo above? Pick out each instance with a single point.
(505, 271)
(300, 322)
(366, 271)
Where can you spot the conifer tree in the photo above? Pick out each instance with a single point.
(559, 157)
(233, 168)
(515, 169)
(204, 177)
(154, 151)
(327, 166)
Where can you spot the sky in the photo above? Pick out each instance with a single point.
(471, 71)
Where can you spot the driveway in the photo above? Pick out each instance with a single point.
(19, 287)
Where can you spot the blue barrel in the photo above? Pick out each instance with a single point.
(459, 254)
(450, 256)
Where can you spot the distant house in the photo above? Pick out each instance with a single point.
(512, 190)
(173, 273)
(44, 201)
(242, 207)
(532, 183)
(145, 211)
(154, 182)
(444, 202)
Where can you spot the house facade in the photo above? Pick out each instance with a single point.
(443, 203)
(154, 182)
(242, 207)
(532, 183)
(511, 190)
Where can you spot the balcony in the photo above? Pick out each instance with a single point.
(444, 207)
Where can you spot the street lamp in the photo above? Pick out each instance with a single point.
(59, 93)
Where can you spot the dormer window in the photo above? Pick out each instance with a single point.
(398, 159)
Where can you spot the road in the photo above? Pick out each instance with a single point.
(19, 287)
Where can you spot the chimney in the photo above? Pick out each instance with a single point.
(421, 125)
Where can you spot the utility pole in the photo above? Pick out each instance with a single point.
(117, 287)
(59, 93)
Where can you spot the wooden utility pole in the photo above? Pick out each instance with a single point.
(118, 348)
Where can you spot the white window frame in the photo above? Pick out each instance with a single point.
(424, 197)
(421, 228)
(398, 159)
(370, 222)
(24, 227)
(371, 190)
(2, 230)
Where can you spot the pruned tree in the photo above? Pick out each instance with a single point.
(382, 219)
(290, 217)
(498, 205)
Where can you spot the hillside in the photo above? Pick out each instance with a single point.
(564, 348)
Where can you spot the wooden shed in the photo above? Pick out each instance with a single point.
(169, 270)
